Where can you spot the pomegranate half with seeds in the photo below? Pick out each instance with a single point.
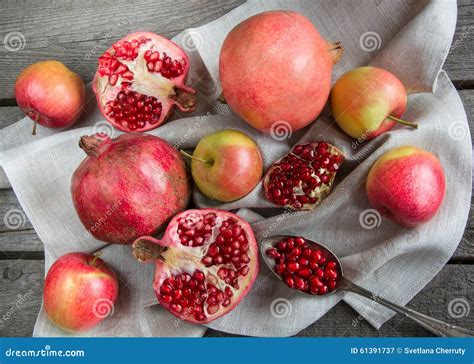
(206, 262)
(303, 178)
(140, 79)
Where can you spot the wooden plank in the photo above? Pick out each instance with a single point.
(77, 32)
(460, 63)
(12, 216)
(21, 284)
(15, 242)
(453, 282)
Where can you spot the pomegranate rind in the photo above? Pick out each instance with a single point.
(177, 259)
(170, 92)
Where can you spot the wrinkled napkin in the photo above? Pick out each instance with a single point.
(409, 38)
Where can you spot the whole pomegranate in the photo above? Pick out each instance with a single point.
(275, 68)
(129, 186)
(50, 94)
(206, 262)
(140, 79)
(301, 179)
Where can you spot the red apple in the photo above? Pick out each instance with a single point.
(79, 291)
(50, 94)
(367, 101)
(407, 185)
(226, 165)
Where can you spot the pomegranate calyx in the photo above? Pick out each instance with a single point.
(92, 144)
(147, 249)
(336, 50)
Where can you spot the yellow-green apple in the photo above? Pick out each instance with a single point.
(407, 184)
(368, 101)
(50, 94)
(226, 165)
(80, 290)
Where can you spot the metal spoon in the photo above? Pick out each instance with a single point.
(437, 327)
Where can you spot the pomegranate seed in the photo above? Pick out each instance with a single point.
(293, 266)
(305, 273)
(290, 282)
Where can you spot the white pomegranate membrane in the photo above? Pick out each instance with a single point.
(304, 268)
(304, 177)
(205, 263)
(139, 79)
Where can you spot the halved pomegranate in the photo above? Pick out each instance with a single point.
(303, 178)
(140, 79)
(206, 263)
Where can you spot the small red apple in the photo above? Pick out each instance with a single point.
(80, 290)
(407, 185)
(226, 165)
(368, 101)
(50, 94)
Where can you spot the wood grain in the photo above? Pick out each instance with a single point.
(21, 284)
(76, 32)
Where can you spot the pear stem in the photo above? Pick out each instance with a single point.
(195, 158)
(403, 122)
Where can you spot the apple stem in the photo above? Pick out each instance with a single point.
(192, 157)
(35, 121)
(97, 254)
(403, 122)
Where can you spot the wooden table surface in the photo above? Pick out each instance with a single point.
(67, 30)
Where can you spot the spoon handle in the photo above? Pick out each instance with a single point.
(437, 327)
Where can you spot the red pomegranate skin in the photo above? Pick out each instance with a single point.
(407, 184)
(129, 186)
(274, 67)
